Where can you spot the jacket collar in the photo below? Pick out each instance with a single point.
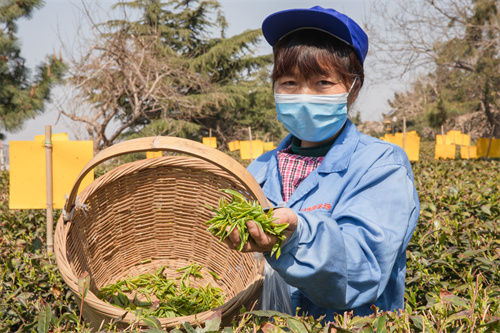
(336, 160)
(338, 157)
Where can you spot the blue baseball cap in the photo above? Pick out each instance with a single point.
(280, 24)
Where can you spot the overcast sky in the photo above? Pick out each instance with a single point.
(59, 19)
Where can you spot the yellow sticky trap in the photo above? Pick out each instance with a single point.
(468, 152)
(412, 134)
(233, 145)
(410, 143)
(397, 140)
(482, 147)
(268, 146)
(153, 154)
(68, 160)
(210, 141)
(412, 147)
(495, 148)
(28, 188)
(440, 139)
(453, 137)
(256, 151)
(464, 140)
(445, 151)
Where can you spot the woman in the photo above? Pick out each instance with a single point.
(349, 199)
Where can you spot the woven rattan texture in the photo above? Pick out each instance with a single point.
(153, 210)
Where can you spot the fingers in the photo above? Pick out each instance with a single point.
(286, 215)
(233, 239)
(258, 241)
(263, 241)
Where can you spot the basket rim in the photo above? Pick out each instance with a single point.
(173, 144)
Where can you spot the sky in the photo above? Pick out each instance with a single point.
(59, 20)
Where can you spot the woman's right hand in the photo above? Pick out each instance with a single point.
(262, 241)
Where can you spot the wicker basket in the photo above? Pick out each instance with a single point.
(154, 211)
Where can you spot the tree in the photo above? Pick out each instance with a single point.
(163, 74)
(21, 98)
(454, 45)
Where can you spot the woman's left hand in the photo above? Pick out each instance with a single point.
(262, 241)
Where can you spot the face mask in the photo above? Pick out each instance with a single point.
(313, 118)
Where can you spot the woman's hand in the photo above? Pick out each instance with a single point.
(262, 241)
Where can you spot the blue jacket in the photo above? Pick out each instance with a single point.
(356, 214)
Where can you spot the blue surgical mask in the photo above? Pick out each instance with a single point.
(313, 118)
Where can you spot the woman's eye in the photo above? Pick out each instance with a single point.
(325, 83)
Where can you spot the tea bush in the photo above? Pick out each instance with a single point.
(29, 278)
(453, 270)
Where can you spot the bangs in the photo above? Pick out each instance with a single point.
(313, 52)
(305, 60)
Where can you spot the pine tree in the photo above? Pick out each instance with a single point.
(203, 82)
(21, 97)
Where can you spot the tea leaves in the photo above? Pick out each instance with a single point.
(236, 213)
(171, 299)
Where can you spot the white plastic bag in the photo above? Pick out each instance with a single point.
(275, 292)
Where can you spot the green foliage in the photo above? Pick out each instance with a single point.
(209, 83)
(453, 267)
(356, 119)
(437, 117)
(21, 97)
(466, 63)
(172, 299)
(460, 208)
(32, 292)
(236, 213)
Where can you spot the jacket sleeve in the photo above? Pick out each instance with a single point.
(344, 259)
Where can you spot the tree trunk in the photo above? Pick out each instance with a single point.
(485, 104)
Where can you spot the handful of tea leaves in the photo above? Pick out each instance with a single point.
(236, 213)
(173, 300)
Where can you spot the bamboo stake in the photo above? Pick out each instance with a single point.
(48, 168)
(250, 135)
(469, 145)
(404, 132)
(2, 157)
(489, 142)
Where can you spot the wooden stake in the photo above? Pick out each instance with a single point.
(442, 134)
(48, 168)
(489, 142)
(470, 139)
(404, 132)
(250, 135)
(2, 157)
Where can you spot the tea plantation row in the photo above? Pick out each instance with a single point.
(453, 275)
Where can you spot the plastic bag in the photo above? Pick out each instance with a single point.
(275, 292)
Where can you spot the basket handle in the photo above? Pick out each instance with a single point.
(173, 144)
